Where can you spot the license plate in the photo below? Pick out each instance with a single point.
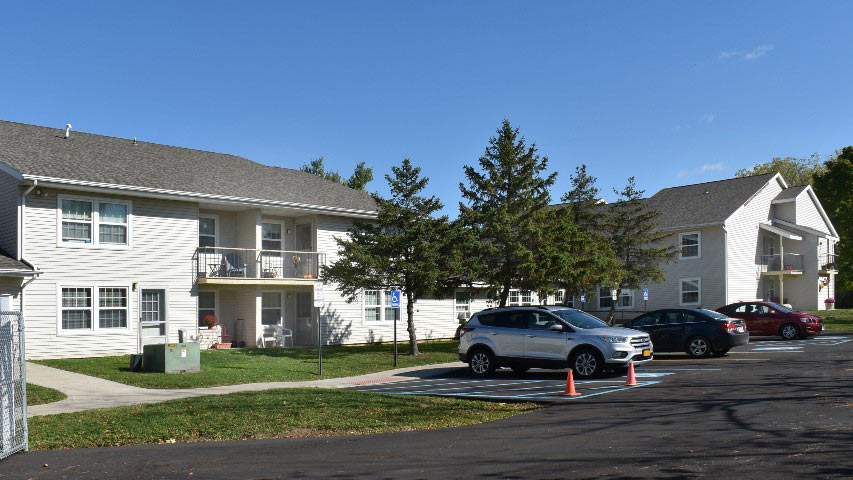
(647, 353)
(740, 330)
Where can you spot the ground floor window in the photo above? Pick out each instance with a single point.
(112, 307)
(462, 305)
(377, 306)
(93, 308)
(271, 312)
(690, 291)
(520, 297)
(605, 297)
(76, 308)
(626, 298)
(206, 306)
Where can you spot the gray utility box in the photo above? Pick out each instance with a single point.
(171, 358)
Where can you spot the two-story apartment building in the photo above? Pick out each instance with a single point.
(738, 239)
(107, 244)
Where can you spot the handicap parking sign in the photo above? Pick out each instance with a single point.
(645, 294)
(395, 299)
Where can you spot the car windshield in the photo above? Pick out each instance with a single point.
(579, 319)
(713, 314)
(780, 307)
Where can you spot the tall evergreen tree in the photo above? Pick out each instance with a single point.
(581, 199)
(405, 247)
(630, 226)
(506, 206)
(834, 188)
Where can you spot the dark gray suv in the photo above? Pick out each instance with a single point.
(548, 337)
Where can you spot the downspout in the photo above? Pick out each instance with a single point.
(725, 265)
(22, 209)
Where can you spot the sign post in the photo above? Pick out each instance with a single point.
(583, 302)
(318, 304)
(395, 303)
(645, 298)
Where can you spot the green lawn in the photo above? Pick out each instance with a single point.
(37, 395)
(228, 367)
(269, 414)
(836, 320)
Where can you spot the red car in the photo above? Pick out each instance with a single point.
(768, 318)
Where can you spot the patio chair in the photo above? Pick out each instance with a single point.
(232, 266)
(278, 335)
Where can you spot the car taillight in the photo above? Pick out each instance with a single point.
(465, 330)
(728, 327)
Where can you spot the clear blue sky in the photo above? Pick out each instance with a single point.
(670, 92)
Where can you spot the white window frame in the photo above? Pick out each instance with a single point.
(520, 295)
(382, 305)
(681, 291)
(681, 245)
(95, 308)
(465, 305)
(126, 308)
(215, 305)
(609, 296)
(280, 308)
(626, 292)
(95, 222)
(215, 228)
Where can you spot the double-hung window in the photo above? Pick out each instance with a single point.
(95, 222)
(520, 298)
(605, 297)
(206, 306)
(112, 307)
(77, 308)
(271, 308)
(689, 244)
(462, 306)
(207, 231)
(690, 291)
(626, 298)
(377, 306)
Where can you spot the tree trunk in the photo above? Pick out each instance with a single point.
(504, 296)
(410, 320)
(611, 316)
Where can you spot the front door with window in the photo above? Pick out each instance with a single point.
(272, 242)
(153, 325)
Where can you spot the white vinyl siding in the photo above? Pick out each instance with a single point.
(93, 222)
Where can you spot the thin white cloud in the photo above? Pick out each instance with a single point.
(709, 117)
(712, 167)
(751, 55)
(758, 52)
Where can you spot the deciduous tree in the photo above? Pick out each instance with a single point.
(834, 188)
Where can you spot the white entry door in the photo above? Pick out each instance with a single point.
(153, 326)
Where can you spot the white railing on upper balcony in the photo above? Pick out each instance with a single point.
(827, 261)
(789, 262)
(220, 262)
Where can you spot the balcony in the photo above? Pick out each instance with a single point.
(236, 266)
(828, 263)
(789, 263)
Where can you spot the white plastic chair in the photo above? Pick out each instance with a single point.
(278, 335)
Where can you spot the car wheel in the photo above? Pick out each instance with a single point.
(482, 362)
(587, 363)
(789, 331)
(720, 353)
(519, 368)
(698, 347)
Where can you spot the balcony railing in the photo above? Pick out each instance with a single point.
(219, 262)
(827, 262)
(787, 263)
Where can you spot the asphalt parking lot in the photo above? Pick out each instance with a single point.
(753, 414)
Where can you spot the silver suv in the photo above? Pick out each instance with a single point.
(548, 337)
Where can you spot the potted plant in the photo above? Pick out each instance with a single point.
(830, 303)
(209, 320)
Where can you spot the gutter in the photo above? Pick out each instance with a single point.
(195, 196)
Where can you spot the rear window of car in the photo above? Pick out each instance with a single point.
(511, 319)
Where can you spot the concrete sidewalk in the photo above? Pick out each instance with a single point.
(88, 393)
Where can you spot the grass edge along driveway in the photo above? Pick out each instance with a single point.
(840, 320)
(236, 366)
(282, 413)
(38, 395)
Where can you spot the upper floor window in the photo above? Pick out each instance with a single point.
(689, 243)
(95, 222)
(207, 230)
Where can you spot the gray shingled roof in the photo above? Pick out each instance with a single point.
(43, 151)
(9, 263)
(790, 192)
(702, 203)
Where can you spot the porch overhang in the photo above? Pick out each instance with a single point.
(237, 281)
(778, 231)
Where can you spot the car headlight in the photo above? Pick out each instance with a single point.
(807, 320)
(611, 339)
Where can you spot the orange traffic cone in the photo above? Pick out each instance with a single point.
(570, 386)
(632, 380)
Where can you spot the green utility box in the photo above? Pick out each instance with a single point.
(171, 358)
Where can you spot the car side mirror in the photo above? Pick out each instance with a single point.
(557, 327)
(772, 312)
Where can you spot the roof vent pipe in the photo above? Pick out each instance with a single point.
(67, 130)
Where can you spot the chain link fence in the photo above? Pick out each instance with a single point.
(13, 390)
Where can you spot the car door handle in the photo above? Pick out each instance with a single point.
(495, 333)
(531, 336)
